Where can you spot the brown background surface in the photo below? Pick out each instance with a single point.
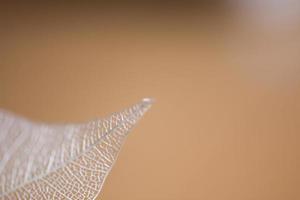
(216, 131)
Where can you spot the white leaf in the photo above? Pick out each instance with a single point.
(41, 161)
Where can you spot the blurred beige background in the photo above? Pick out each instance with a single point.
(218, 130)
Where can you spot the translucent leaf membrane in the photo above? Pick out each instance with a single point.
(40, 161)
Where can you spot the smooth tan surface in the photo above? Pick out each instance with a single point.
(216, 131)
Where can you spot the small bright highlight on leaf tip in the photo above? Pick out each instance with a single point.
(148, 100)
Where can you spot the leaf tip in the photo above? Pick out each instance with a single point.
(147, 100)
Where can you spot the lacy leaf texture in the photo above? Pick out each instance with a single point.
(41, 161)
